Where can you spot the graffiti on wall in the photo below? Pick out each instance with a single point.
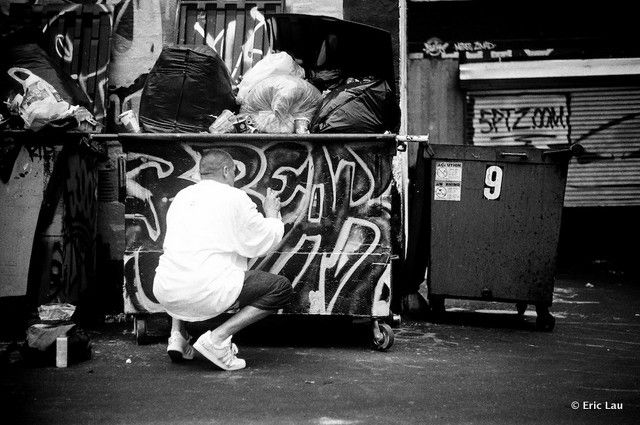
(538, 120)
(80, 41)
(435, 48)
(137, 39)
(336, 206)
(50, 244)
(605, 122)
(134, 29)
(249, 52)
(139, 31)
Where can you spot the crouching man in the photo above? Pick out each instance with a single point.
(212, 228)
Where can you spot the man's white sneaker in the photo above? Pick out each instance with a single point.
(178, 348)
(223, 356)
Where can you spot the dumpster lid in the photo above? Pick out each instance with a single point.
(521, 154)
(325, 43)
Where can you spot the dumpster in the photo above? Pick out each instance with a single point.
(49, 169)
(494, 222)
(337, 190)
(337, 194)
(48, 216)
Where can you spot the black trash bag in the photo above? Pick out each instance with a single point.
(327, 79)
(358, 107)
(186, 89)
(322, 43)
(32, 57)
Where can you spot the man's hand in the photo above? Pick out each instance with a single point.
(271, 204)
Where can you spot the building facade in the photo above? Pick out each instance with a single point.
(495, 73)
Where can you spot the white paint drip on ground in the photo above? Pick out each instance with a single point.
(528, 313)
(562, 301)
(557, 315)
(334, 421)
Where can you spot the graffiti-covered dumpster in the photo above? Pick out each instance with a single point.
(337, 193)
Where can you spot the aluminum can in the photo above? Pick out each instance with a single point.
(62, 351)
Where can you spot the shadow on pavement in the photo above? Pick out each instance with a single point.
(300, 331)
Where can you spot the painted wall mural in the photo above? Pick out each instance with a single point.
(77, 38)
(118, 42)
(336, 205)
(141, 28)
(108, 41)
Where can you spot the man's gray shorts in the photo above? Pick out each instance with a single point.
(263, 290)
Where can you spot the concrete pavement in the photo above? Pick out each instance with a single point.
(480, 364)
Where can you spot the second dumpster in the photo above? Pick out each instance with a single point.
(494, 223)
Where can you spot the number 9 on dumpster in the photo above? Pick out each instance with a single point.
(493, 182)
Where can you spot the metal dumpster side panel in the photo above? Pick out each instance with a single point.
(336, 207)
(504, 249)
(48, 218)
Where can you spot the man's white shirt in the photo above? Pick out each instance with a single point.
(212, 228)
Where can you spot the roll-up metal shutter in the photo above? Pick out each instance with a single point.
(538, 119)
(606, 121)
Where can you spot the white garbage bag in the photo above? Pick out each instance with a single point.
(40, 103)
(276, 102)
(273, 64)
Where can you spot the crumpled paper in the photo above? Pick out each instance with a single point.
(56, 312)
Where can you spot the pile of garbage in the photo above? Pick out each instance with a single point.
(189, 90)
(37, 94)
(55, 339)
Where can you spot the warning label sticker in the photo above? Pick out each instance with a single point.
(448, 181)
(449, 171)
(447, 191)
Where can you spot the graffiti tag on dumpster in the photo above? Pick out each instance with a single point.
(336, 206)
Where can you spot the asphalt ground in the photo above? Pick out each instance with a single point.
(479, 363)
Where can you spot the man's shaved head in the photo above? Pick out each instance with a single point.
(214, 160)
(213, 163)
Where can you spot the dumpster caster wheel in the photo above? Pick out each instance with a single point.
(545, 321)
(141, 330)
(382, 336)
(521, 308)
(395, 320)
